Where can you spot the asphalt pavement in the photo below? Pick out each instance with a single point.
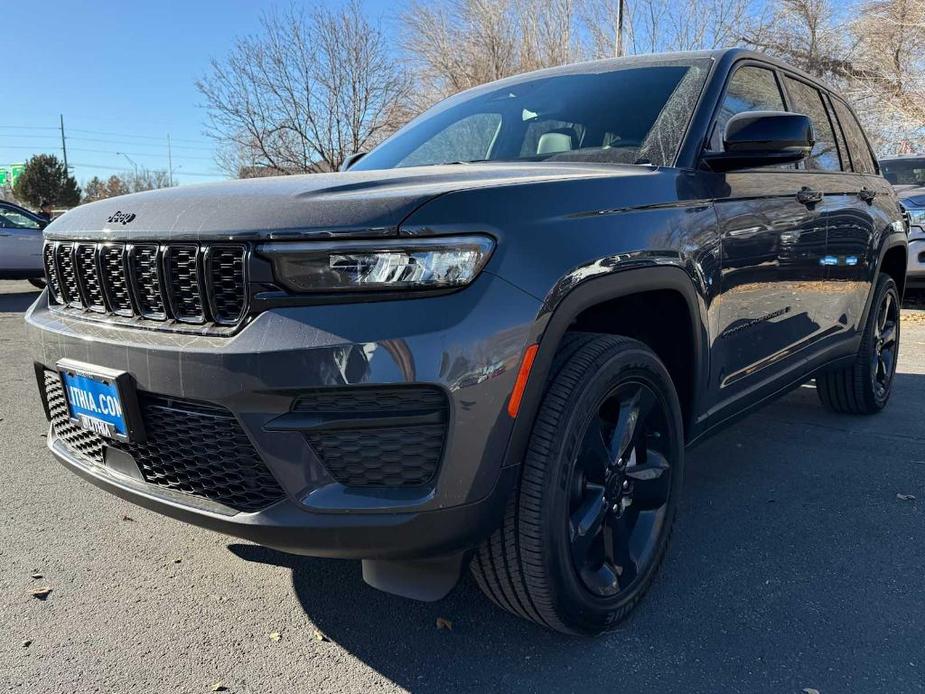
(796, 566)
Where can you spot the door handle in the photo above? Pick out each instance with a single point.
(867, 195)
(808, 196)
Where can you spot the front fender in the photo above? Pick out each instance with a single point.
(560, 309)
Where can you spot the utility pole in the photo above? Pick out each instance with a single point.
(63, 145)
(169, 162)
(618, 48)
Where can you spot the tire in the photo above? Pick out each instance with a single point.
(865, 386)
(37, 283)
(576, 499)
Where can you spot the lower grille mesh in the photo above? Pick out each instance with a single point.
(193, 448)
(376, 452)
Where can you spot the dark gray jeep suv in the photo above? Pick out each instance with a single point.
(489, 342)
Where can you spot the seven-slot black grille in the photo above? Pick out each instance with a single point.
(191, 447)
(183, 282)
(389, 436)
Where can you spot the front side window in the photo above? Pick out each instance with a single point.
(750, 88)
(861, 158)
(636, 112)
(808, 101)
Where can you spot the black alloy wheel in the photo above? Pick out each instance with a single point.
(585, 534)
(620, 487)
(864, 387)
(886, 343)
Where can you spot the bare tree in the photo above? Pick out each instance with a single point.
(653, 26)
(309, 90)
(142, 179)
(874, 55)
(807, 34)
(458, 44)
(889, 71)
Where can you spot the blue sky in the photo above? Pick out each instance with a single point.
(123, 70)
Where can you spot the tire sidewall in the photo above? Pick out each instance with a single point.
(593, 613)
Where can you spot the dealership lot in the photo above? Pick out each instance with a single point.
(795, 565)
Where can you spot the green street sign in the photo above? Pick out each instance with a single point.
(10, 174)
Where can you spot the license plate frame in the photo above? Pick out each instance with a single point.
(128, 428)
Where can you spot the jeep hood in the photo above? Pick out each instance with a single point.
(355, 204)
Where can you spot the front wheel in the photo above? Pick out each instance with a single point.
(865, 386)
(584, 536)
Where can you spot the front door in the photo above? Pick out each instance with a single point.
(772, 226)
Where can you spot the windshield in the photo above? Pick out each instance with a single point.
(622, 114)
(900, 172)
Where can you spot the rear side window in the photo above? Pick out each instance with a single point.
(808, 101)
(861, 157)
(750, 88)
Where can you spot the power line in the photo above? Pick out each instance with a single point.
(180, 173)
(140, 137)
(138, 154)
(107, 151)
(158, 138)
(105, 141)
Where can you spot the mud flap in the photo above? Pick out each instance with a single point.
(427, 580)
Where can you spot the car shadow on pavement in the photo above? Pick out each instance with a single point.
(782, 537)
(17, 302)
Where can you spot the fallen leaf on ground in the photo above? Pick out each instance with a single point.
(26, 643)
(177, 561)
(128, 518)
(219, 687)
(318, 636)
(36, 575)
(905, 497)
(41, 593)
(444, 624)
(275, 636)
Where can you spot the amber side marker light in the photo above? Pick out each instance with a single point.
(520, 385)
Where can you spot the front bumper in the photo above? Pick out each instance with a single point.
(467, 343)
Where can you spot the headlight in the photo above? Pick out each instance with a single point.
(916, 216)
(393, 264)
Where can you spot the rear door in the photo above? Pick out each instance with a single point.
(773, 240)
(847, 215)
(854, 242)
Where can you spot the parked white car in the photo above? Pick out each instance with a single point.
(21, 244)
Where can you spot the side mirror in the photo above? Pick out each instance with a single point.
(351, 160)
(762, 138)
